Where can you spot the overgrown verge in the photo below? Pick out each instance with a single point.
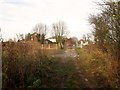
(99, 68)
(27, 66)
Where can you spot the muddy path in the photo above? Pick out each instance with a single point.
(72, 54)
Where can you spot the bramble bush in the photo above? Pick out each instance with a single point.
(26, 65)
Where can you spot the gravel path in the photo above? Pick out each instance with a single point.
(69, 53)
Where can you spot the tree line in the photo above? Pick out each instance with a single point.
(59, 32)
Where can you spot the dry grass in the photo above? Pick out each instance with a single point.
(26, 65)
(100, 68)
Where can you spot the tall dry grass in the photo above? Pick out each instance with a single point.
(20, 61)
(100, 68)
(26, 65)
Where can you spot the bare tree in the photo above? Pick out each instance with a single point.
(41, 30)
(59, 32)
(88, 37)
(107, 30)
(107, 27)
(20, 36)
(28, 37)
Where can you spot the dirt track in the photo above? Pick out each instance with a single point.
(69, 53)
(72, 54)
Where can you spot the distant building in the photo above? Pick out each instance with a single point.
(82, 43)
(34, 37)
(50, 41)
(69, 43)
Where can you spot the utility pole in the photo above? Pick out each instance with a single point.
(0, 35)
(0, 59)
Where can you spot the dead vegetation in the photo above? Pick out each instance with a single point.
(99, 68)
(26, 65)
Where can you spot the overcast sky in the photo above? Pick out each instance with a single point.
(20, 16)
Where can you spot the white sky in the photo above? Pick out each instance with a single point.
(20, 16)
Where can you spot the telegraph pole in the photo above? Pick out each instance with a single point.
(0, 35)
(0, 59)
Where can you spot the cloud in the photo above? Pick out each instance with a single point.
(14, 2)
(19, 16)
